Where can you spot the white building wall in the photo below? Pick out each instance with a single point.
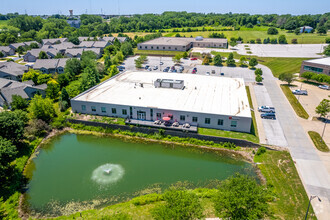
(243, 123)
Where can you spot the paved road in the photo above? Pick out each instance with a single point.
(311, 169)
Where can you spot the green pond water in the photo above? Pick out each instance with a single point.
(77, 168)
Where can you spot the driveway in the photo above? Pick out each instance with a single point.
(310, 167)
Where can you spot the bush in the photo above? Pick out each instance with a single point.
(294, 41)
(261, 150)
(179, 204)
(272, 31)
(147, 199)
(258, 71)
(229, 145)
(327, 40)
(36, 128)
(252, 41)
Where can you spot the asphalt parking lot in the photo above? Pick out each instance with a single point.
(233, 72)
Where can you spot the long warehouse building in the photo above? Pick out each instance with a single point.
(203, 101)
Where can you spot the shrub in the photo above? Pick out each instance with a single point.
(252, 41)
(294, 41)
(258, 71)
(272, 31)
(147, 199)
(229, 145)
(327, 40)
(36, 128)
(261, 150)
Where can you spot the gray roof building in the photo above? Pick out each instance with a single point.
(182, 43)
(7, 51)
(81, 39)
(12, 70)
(50, 65)
(77, 52)
(8, 88)
(17, 45)
(32, 55)
(54, 41)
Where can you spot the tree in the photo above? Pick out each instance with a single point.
(12, 125)
(53, 88)
(31, 75)
(282, 39)
(89, 78)
(43, 55)
(59, 55)
(177, 58)
(43, 78)
(233, 43)
(217, 60)
(126, 48)
(206, 60)
(8, 152)
(72, 68)
(258, 71)
(272, 31)
(74, 40)
(185, 55)
(294, 41)
(179, 204)
(41, 108)
(327, 50)
(63, 80)
(287, 77)
(138, 63)
(1, 54)
(323, 108)
(322, 30)
(258, 79)
(230, 60)
(308, 75)
(18, 103)
(64, 101)
(253, 62)
(20, 50)
(34, 45)
(242, 61)
(240, 197)
(113, 70)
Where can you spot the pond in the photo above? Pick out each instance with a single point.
(78, 168)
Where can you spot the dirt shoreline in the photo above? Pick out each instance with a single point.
(242, 154)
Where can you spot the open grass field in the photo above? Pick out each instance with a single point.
(297, 107)
(156, 52)
(318, 141)
(254, 129)
(282, 177)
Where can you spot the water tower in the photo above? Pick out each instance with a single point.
(71, 12)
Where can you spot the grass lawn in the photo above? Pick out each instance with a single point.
(254, 129)
(282, 177)
(155, 52)
(300, 111)
(318, 141)
(253, 33)
(228, 134)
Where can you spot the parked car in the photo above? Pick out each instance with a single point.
(161, 63)
(195, 69)
(166, 69)
(265, 108)
(208, 73)
(213, 71)
(155, 67)
(146, 67)
(193, 58)
(324, 87)
(193, 72)
(222, 74)
(268, 116)
(149, 69)
(299, 92)
(121, 68)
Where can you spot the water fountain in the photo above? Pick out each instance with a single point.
(108, 173)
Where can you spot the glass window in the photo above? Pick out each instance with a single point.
(114, 110)
(194, 119)
(163, 48)
(93, 109)
(233, 124)
(220, 122)
(145, 47)
(83, 107)
(159, 115)
(314, 69)
(151, 113)
(140, 47)
(157, 47)
(152, 47)
(169, 47)
(124, 111)
(182, 117)
(207, 121)
(103, 109)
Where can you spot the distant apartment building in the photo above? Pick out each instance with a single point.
(182, 43)
(50, 66)
(321, 65)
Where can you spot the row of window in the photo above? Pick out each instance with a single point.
(314, 69)
(104, 110)
(159, 115)
(146, 47)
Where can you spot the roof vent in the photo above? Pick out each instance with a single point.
(199, 38)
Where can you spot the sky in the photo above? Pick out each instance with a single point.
(123, 7)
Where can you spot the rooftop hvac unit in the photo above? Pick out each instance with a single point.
(199, 38)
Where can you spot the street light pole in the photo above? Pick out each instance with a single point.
(310, 199)
(300, 89)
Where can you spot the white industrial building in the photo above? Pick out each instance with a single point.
(200, 100)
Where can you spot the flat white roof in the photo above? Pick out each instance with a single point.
(323, 61)
(202, 93)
